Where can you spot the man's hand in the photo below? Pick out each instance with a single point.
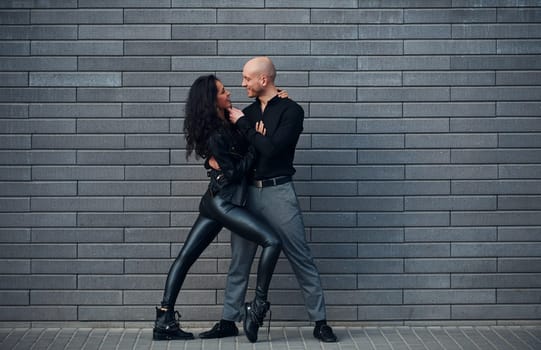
(214, 164)
(260, 128)
(235, 114)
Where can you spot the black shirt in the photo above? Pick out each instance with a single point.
(283, 120)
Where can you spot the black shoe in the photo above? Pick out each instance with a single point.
(325, 334)
(254, 313)
(166, 327)
(221, 329)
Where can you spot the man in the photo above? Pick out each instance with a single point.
(273, 126)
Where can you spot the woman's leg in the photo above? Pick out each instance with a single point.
(166, 326)
(245, 224)
(201, 235)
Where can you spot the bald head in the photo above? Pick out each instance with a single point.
(261, 65)
(258, 77)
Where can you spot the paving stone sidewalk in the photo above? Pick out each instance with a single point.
(294, 338)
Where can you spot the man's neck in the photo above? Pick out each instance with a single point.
(267, 96)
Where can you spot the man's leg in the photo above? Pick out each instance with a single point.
(242, 252)
(278, 205)
(242, 256)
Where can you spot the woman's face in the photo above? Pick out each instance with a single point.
(223, 100)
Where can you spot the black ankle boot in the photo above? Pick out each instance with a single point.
(254, 313)
(222, 329)
(166, 327)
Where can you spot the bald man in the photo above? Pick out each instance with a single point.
(273, 126)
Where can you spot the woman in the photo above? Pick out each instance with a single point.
(210, 134)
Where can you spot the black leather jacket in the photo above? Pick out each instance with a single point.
(235, 158)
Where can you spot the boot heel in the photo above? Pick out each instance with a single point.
(254, 313)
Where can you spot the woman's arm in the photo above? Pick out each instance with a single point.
(233, 168)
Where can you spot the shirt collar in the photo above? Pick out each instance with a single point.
(271, 101)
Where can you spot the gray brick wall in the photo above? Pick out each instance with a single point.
(419, 169)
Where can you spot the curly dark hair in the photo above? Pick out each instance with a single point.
(201, 118)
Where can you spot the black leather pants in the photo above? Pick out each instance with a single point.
(214, 214)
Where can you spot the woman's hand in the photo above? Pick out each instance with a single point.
(260, 128)
(214, 164)
(282, 93)
(235, 114)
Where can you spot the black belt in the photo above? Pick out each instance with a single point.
(275, 181)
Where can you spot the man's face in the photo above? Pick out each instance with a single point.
(251, 81)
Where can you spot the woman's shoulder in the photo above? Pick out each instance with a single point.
(215, 136)
(219, 136)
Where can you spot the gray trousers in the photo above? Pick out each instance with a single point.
(279, 207)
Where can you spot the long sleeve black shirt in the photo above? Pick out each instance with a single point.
(283, 120)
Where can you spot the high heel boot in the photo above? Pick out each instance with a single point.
(254, 313)
(166, 326)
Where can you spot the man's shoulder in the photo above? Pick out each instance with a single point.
(290, 104)
(287, 101)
